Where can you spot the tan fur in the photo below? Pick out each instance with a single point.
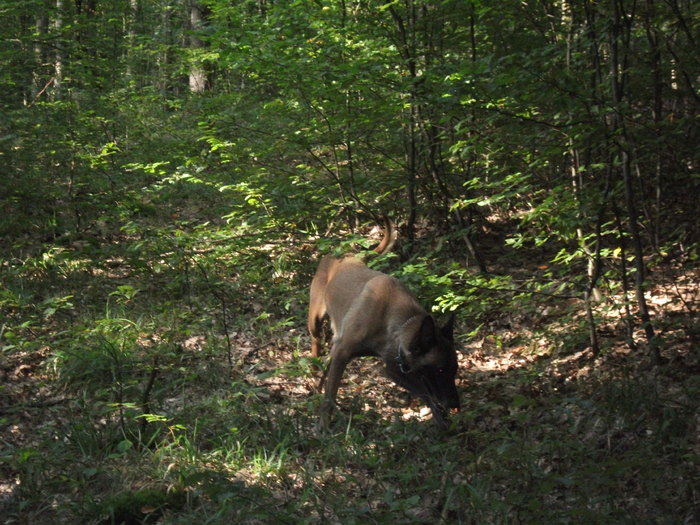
(372, 313)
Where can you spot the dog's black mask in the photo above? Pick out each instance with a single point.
(428, 367)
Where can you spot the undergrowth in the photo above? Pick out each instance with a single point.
(127, 402)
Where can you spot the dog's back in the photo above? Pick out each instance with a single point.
(342, 280)
(351, 278)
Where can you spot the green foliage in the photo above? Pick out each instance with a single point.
(157, 245)
(139, 506)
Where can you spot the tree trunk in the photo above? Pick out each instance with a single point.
(654, 39)
(59, 56)
(619, 128)
(164, 57)
(131, 38)
(198, 76)
(40, 54)
(407, 52)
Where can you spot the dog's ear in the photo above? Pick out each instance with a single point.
(448, 329)
(425, 337)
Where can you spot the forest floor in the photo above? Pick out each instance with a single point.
(548, 432)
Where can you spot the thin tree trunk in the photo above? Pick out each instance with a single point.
(411, 171)
(59, 56)
(628, 318)
(164, 80)
(131, 38)
(40, 54)
(407, 52)
(620, 130)
(654, 38)
(591, 294)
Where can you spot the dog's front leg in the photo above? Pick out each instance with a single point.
(339, 360)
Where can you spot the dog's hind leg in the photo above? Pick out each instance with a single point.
(317, 306)
(317, 310)
(316, 332)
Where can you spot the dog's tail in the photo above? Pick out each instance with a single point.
(390, 235)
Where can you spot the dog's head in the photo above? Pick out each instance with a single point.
(427, 365)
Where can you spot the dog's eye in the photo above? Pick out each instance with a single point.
(441, 370)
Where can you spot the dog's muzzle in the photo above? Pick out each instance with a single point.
(404, 367)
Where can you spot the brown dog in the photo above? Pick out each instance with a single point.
(372, 313)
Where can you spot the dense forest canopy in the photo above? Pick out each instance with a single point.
(171, 169)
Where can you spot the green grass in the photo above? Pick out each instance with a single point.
(233, 455)
(128, 411)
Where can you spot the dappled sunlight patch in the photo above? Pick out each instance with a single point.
(238, 438)
(420, 414)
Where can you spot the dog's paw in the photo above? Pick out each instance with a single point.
(322, 426)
